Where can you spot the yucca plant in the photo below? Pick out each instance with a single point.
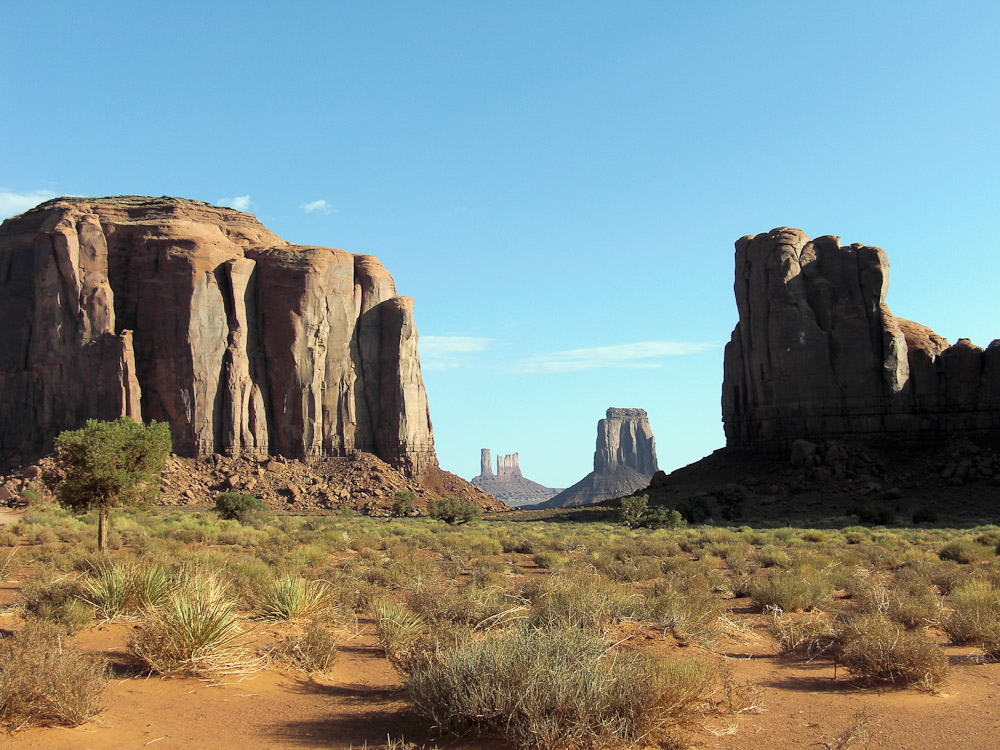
(126, 588)
(399, 630)
(196, 632)
(289, 597)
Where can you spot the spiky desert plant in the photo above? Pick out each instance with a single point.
(289, 597)
(196, 632)
(399, 630)
(125, 588)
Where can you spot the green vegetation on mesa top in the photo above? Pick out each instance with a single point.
(532, 600)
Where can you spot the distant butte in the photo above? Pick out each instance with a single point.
(508, 484)
(624, 461)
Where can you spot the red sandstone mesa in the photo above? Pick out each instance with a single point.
(197, 315)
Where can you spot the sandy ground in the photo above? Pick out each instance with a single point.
(361, 702)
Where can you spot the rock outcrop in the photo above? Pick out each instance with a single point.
(624, 461)
(818, 355)
(508, 484)
(178, 311)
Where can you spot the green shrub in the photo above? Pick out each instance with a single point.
(874, 513)
(404, 504)
(453, 510)
(546, 689)
(694, 509)
(56, 600)
(43, 681)
(246, 509)
(878, 650)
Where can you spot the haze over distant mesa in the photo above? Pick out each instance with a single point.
(508, 484)
(624, 461)
(818, 355)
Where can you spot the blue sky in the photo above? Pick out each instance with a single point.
(557, 184)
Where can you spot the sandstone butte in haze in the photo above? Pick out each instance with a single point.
(624, 460)
(817, 354)
(179, 311)
(509, 484)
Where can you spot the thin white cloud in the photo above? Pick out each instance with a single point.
(240, 202)
(641, 354)
(12, 204)
(320, 206)
(446, 352)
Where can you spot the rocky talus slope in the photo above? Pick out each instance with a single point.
(196, 315)
(818, 355)
(624, 461)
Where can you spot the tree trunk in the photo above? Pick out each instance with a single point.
(102, 528)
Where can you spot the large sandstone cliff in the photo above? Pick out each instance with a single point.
(178, 311)
(624, 460)
(818, 355)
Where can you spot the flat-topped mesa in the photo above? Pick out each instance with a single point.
(817, 354)
(242, 342)
(624, 460)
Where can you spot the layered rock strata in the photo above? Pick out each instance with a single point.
(178, 311)
(509, 484)
(624, 461)
(818, 355)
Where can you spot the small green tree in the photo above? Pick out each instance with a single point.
(452, 510)
(109, 465)
(246, 509)
(404, 504)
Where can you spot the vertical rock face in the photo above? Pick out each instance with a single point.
(817, 353)
(485, 463)
(195, 315)
(508, 466)
(624, 461)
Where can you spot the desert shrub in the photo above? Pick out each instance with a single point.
(550, 560)
(289, 597)
(583, 600)
(877, 650)
(44, 682)
(8, 538)
(543, 689)
(731, 498)
(314, 650)
(404, 504)
(56, 600)
(806, 637)
(694, 509)
(196, 632)
(246, 509)
(453, 510)
(796, 590)
(632, 510)
(975, 615)
(771, 556)
(876, 514)
(686, 606)
(924, 514)
(909, 602)
(966, 551)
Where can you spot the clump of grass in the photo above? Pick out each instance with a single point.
(196, 632)
(795, 590)
(878, 650)
(289, 597)
(557, 688)
(966, 551)
(583, 600)
(56, 599)
(314, 650)
(910, 602)
(126, 588)
(44, 682)
(687, 608)
(975, 616)
(8, 563)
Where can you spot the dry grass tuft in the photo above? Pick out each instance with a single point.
(878, 650)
